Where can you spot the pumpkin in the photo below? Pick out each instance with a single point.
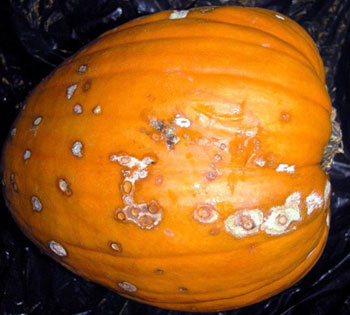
(176, 159)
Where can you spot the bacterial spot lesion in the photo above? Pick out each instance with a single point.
(145, 215)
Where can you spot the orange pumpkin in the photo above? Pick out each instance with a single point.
(176, 159)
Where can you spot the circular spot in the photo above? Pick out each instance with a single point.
(37, 121)
(77, 149)
(217, 157)
(63, 185)
(159, 180)
(205, 213)
(78, 109)
(247, 222)
(117, 247)
(126, 286)
(211, 176)
(282, 219)
(146, 221)
(36, 204)
(82, 68)
(183, 289)
(120, 215)
(127, 187)
(285, 117)
(97, 110)
(58, 249)
(153, 207)
(27, 154)
(86, 86)
(159, 271)
(155, 137)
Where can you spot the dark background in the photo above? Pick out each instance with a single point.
(37, 35)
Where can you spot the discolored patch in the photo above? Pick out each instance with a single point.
(86, 86)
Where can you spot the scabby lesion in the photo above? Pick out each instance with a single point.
(145, 215)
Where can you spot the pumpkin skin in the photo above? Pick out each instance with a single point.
(176, 159)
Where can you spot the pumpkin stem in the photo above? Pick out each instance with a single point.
(335, 143)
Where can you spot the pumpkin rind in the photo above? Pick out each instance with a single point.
(176, 159)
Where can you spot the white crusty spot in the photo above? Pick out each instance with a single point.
(78, 109)
(131, 162)
(27, 154)
(82, 68)
(285, 168)
(294, 200)
(182, 121)
(37, 121)
(70, 90)
(77, 149)
(327, 191)
(36, 204)
(126, 286)
(281, 217)
(178, 14)
(280, 17)
(266, 45)
(313, 202)
(233, 223)
(272, 224)
(58, 249)
(13, 132)
(97, 110)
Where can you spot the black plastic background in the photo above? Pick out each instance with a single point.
(37, 35)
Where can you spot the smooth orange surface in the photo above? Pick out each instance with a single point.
(251, 86)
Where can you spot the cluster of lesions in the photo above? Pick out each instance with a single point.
(167, 131)
(145, 215)
(279, 219)
(85, 87)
